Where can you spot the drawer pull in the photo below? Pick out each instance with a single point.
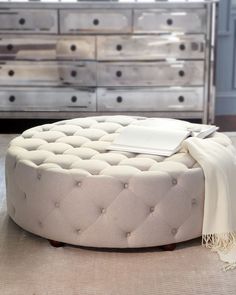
(181, 98)
(96, 22)
(73, 47)
(182, 47)
(9, 47)
(74, 98)
(181, 73)
(11, 73)
(169, 22)
(22, 21)
(73, 73)
(12, 98)
(119, 99)
(118, 73)
(119, 47)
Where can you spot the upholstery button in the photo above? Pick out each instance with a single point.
(40, 224)
(128, 234)
(57, 204)
(78, 183)
(39, 176)
(194, 202)
(174, 181)
(152, 209)
(126, 185)
(25, 197)
(103, 210)
(174, 231)
(77, 230)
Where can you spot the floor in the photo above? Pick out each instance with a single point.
(30, 266)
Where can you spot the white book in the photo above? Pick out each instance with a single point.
(158, 136)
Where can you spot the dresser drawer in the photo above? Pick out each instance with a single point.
(47, 48)
(28, 21)
(170, 20)
(150, 47)
(150, 99)
(189, 73)
(41, 99)
(95, 21)
(48, 73)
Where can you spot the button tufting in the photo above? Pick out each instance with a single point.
(126, 185)
(25, 197)
(174, 181)
(128, 234)
(77, 230)
(39, 176)
(152, 209)
(103, 210)
(174, 231)
(40, 224)
(57, 204)
(78, 183)
(194, 202)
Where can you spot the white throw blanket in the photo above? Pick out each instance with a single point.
(217, 157)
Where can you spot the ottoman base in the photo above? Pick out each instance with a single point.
(56, 244)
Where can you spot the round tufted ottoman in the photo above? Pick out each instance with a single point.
(63, 184)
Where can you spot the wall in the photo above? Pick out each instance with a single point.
(226, 59)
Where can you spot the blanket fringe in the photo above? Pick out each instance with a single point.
(229, 266)
(219, 242)
(223, 243)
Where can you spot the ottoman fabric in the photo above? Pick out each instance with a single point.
(64, 185)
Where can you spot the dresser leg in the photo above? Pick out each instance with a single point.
(56, 243)
(170, 247)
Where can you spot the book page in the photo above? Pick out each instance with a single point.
(149, 140)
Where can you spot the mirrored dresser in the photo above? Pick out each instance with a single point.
(62, 59)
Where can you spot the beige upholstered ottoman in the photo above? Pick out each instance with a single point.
(62, 184)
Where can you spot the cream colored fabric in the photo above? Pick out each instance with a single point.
(63, 184)
(29, 265)
(217, 157)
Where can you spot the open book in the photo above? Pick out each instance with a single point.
(158, 136)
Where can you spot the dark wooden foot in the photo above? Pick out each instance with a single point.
(56, 243)
(170, 247)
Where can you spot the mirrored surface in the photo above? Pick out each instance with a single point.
(121, 1)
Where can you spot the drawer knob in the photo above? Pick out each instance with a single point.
(11, 73)
(74, 98)
(73, 47)
(169, 22)
(119, 47)
(182, 47)
(181, 73)
(181, 98)
(119, 99)
(9, 47)
(21, 21)
(118, 73)
(96, 22)
(73, 73)
(12, 98)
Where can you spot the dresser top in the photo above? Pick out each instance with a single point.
(103, 3)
